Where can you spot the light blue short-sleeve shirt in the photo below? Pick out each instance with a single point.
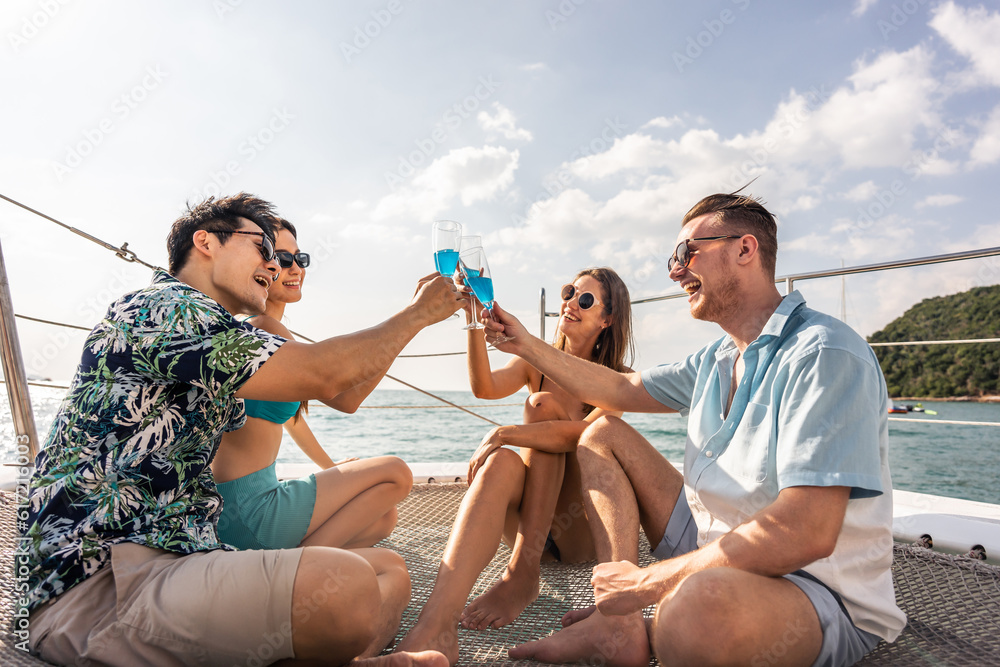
(811, 409)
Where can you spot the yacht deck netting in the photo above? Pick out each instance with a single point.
(953, 603)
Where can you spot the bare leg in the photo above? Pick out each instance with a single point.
(356, 502)
(373, 584)
(627, 483)
(685, 628)
(490, 503)
(543, 489)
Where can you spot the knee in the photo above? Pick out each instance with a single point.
(398, 474)
(541, 406)
(599, 438)
(328, 581)
(396, 586)
(685, 626)
(503, 466)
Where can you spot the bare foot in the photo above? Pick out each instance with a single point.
(420, 659)
(430, 636)
(574, 615)
(619, 641)
(504, 602)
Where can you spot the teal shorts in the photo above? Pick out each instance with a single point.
(259, 512)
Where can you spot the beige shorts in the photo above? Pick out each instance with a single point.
(155, 607)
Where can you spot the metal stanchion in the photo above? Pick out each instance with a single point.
(13, 370)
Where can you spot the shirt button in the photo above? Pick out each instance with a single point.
(709, 453)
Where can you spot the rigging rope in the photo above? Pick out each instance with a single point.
(407, 384)
(129, 256)
(123, 252)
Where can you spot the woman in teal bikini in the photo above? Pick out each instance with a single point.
(349, 504)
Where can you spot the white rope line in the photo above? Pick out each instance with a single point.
(427, 393)
(942, 421)
(123, 252)
(937, 342)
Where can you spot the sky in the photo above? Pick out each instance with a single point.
(569, 134)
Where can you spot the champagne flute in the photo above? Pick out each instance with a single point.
(465, 244)
(444, 242)
(480, 279)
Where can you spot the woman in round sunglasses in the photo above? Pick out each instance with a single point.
(348, 504)
(532, 499)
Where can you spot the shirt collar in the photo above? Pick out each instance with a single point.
(161, 276)
(772, 329)
(779, 319)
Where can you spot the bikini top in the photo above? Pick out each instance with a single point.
(273, 411)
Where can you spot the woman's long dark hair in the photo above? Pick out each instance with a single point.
(614, 347)
(280, 224)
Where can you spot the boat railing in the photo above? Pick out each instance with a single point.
(17, 384)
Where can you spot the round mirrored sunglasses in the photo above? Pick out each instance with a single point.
(586, 299)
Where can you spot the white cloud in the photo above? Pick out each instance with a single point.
(503, 122)
(804, 203)
(973, 33)
(861, 191)
(861, 7)
(872, 123)
(664, 122)
(534, 67)
(986, 149)
(469, 174)
(939, 200)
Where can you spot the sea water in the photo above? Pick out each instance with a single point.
(924, 456)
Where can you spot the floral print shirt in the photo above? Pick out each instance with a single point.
(127, 458)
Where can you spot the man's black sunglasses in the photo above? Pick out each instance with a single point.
(286, 258)
(266, 246)
(682, 253)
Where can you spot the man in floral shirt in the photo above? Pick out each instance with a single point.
(126, 564)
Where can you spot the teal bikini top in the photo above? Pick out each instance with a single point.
(273, 411)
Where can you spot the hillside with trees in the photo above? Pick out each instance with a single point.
(944, 371)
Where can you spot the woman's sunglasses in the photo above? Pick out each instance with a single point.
(286, 258)
(586, 300)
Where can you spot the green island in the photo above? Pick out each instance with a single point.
(969, 371)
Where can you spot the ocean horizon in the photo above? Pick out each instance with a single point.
(958, 461)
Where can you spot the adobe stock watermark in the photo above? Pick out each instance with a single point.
(880, 204)
(21, 624)
(613, 129)
(224, 7)
(370, 30)
(788, 126)
(33, 25)
(121, 108)
(252, 146)
(793, 634)
(899, 16)
(451, 119)
(565, 9)
(704, 39)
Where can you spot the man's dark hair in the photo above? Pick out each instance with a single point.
(217, 215)
(741, 214)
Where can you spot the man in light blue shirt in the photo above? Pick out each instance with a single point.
(776, 542)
